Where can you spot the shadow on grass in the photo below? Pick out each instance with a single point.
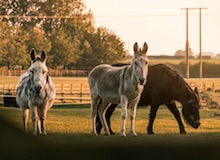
(70, 106)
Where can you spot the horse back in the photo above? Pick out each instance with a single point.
(163, 86)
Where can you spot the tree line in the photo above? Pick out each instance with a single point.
(70, 37)
(210, 70)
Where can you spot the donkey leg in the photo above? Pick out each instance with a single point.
(25, 114)
(35, 119)
(42, 126)
(124, 103)
(101, 111)
(172, 107)
(95, 102)
(132, 117)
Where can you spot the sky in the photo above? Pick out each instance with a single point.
(160, 23)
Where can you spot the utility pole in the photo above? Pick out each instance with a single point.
(200, 41)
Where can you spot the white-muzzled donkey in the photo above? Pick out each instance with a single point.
(36, 92)
(109, 84)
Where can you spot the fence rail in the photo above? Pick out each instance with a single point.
(65, 93)
(56, 73)
(79, 92)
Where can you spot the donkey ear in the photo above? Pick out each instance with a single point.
(135, 47)
(33, 55)
(43, 56)
(145, 48)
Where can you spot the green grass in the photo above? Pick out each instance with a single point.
(71, 125)
(69, 137)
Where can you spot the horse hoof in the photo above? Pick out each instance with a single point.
(106, 134)
(184, 132)
(112, 133)
(150, 132)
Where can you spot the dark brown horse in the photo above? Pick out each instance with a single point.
(164, 86)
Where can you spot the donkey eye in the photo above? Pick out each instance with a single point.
(136, 63)
(44, 72)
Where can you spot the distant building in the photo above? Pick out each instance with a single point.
(183, 52)
(217, 56)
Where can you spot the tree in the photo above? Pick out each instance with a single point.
(13, 47)
(20, 8)
(103, 46)
(71, 42)
(64, 50)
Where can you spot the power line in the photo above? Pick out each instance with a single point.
(41, 17)
(78, 17)
(200, 39)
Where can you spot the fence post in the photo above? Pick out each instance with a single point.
(71, 88)
(213, 86)
(81, 85)
(62, 92)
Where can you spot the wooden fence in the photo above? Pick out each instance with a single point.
(65, 93)
(54, 73)
(79, 92)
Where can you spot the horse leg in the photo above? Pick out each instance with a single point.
(153, 112)
(25, 114)
(95, 102)
(124, 104)
(172, 107)
(108, 115)
(133, 105)
(98, 125)
(101, 112)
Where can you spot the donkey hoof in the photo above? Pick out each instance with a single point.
(123, 134)
(34, 133)
(134, 134)
(94, 133)
(43, 134)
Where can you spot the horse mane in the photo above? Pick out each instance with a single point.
(174, 74)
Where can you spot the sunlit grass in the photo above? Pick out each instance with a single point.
(72, 125)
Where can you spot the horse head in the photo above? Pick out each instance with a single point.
(38, 72)
(140, 63)
(191, 108)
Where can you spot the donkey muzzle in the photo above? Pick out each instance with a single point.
(37, 89)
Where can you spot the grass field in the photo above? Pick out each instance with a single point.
(75, 121)
(69, 129)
